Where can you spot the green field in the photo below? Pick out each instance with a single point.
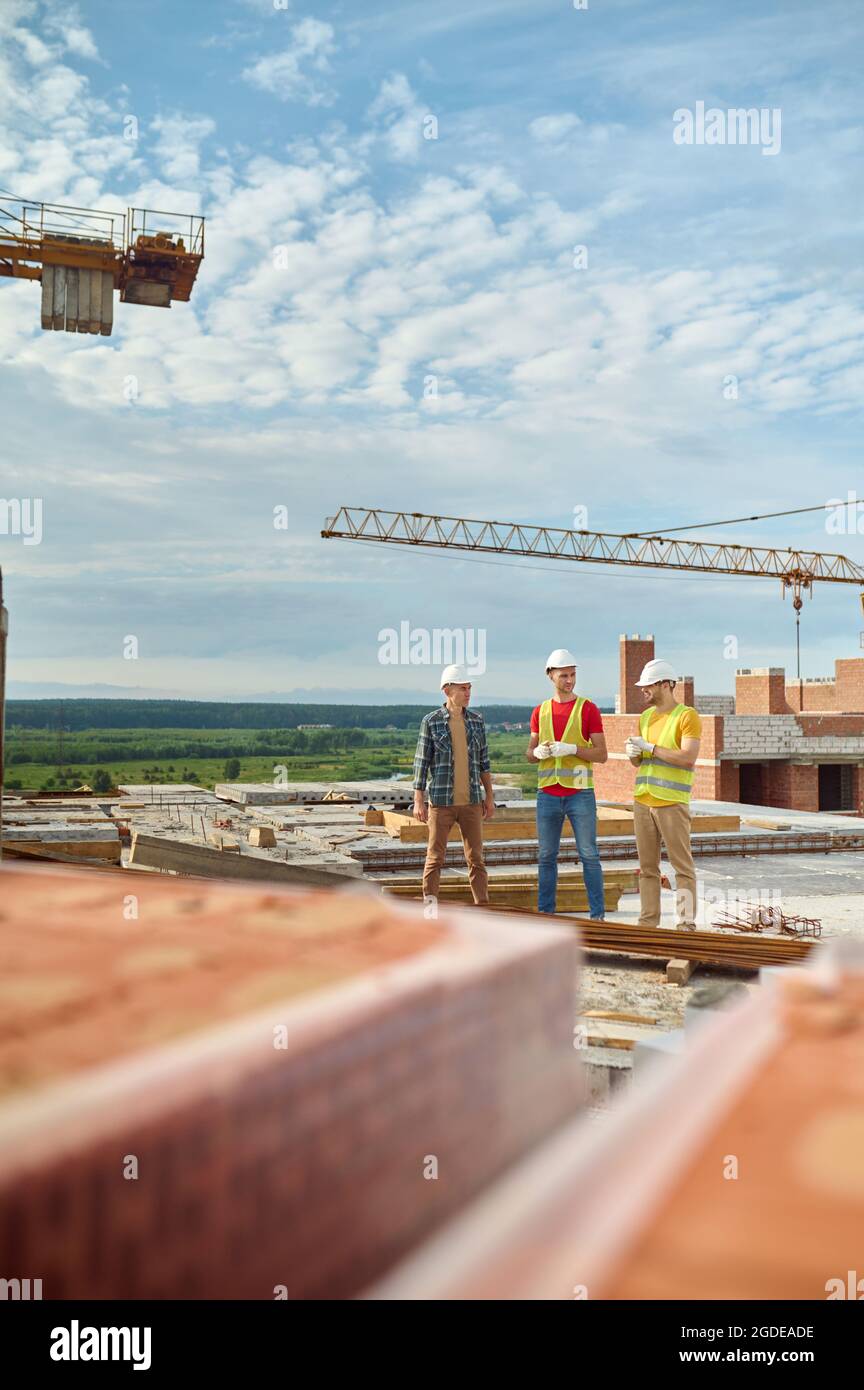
(182, 755)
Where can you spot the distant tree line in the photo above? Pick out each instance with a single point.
(199, 714)
(36, 746)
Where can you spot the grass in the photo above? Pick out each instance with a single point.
(392, 755)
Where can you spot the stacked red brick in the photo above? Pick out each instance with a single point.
(735, 1171)
(285, 1072)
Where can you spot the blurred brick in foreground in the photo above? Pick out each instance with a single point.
(408, 1045)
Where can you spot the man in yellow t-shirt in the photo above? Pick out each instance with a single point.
(665, 752)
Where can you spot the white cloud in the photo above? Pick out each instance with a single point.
(551, 129)
(35, 50)
(295, 73)
(64, 24)
(399, 115)
(178, 144)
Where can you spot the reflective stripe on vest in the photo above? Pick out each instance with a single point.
(661, 779)
(570, 771)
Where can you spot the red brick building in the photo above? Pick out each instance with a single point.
(796, 744)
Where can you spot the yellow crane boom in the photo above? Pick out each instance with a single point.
(796, 569)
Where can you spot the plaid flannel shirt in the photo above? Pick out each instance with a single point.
(433, 761)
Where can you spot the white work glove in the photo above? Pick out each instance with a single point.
(543, 751)
(565, 750)
(636, 746)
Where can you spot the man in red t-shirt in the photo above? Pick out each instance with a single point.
(566, 738)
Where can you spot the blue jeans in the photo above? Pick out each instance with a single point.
(580, 808)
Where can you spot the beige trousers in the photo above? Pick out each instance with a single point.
(670, 826)
(470, 821)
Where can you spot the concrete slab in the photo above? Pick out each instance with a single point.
(48, 297)
(805, 820)
(59, 309)
(107, 311)
(72, 275)
(295, 793)
(165, 792)
(84, 287)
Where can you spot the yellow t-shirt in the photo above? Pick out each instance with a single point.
(690, 727)
(458, 739)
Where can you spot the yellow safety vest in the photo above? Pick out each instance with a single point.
(661, 779)
(570, 771)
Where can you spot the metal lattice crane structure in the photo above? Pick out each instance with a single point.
(797, 570)
(82, 255)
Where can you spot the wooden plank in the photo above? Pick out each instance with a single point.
(707, 825)
(569, 899)
(611, 1033)
(46, 855)
(177, 856)
(703, 822)
(678, 972)
(76, 844)
(616, 1017)
(515, 824)
(764, 824)
(624, 879)
(416, 832)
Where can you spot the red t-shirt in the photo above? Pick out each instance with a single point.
(592, 723)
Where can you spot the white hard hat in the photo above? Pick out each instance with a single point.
(657, 671)
(560, 657)
(454, 675)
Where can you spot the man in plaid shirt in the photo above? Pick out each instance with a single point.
(453, 758)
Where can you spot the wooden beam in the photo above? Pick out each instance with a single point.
(678, 972)
(520, 824)
(177, 856)
(616, 1017)
(79, 842)
(46, 855)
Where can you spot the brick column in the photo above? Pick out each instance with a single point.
(634, 653)
(849, 685)
(685, 691)
(761, 691)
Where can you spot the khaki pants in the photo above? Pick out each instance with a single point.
(671, 826)
(470, 822)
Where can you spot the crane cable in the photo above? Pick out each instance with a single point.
(735, 520)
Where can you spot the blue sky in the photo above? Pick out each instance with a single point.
(350, 260)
